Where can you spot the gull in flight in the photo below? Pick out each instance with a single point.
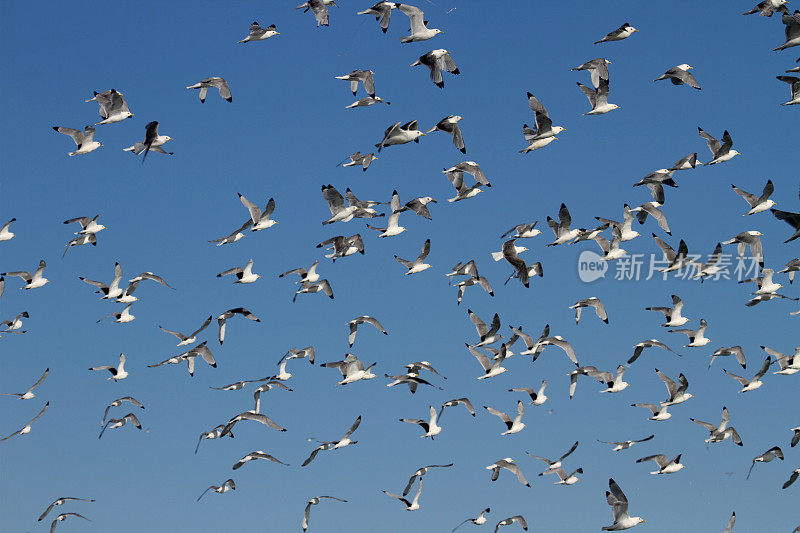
(253, 417)
(383, 12)
(397, 134)
(650, 343)
(315, 501)
(412, 505)
(793, 219)
(114, 423)
(33, 281)
(243, 275)
(465, 401)
(430, 427)
(364, 319)
(118, 372)
(680, 75)
(794, 88)
(697, 337)
(731, 522)
(766, 457)
(764, 282)
(334, 444)
(563, 477)
(665, 466)
(215, 433)
(755, 383)
(677, 260)
(189, 356)
(319, 8)
(623, 32)
(117, 403)
(790, 364)
(536, 348)
(469, 167)
(562, 228)
(27, 395)
(597, 68)
(487, 335)
(790, 268)
(220, 489)
(88, 225)
(758, 204)
(60, 501)
(307, 287)
(252, 456)
(792, 30)
(792, 479)
(593, 302)
(544, 132)
(16, 324)
(352, 369)
(721, 432)
(449, 124)
(62, 517)
(192, 337)
(27, 428)
(419, 206)
(392, 224)
(598, 98)
(359, 159)
(768, 7)
(510, 520)
(659, 411)
(552, 465)
(365, 102)
(753, 240)
(121, 317)
(418, 265)
(507, 464)
(521, 268)
(341, 246)
(522, 231)
(419, 28)
(5, 232)
(81, 240)
(113, 107)
(364, 77)
(309, 274)
(722, 151)
(671, 314)
(627, 233)
(514, 426)
(257, 33)
(619, 508)
(624, 445)
(152, 141)
(230, 313)
(677, 393)
(418, 475)
(259, 218)
(537, 397)
(437, 61)
(84, 140)
(613, 383)
(235, 235)
(219, 83)
(335, 201)
(478, 520)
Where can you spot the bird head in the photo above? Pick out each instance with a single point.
(437, 32)
(558, 129)
(684, 66)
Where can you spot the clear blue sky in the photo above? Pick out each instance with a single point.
(282, 137)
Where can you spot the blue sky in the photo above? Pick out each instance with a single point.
(282, 137)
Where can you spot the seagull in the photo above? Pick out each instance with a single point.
(264, 388)
(257, 33)
(794, 89)
(522, 231)
(652, 209)
(598, 98)
(677, 393)
(722, 151)
(792, 30)
(599, 309)
(418, 475)
(665, 466)
(221, 319)
(412, 505)
(335, 445)
(650, 343)
(487, 335)
(509, 521)
(619, 508)
(359, 159)
(721, 432)
(81, 240)
(309, 274)
(790, 268)
(85, 140)
(677, 260)
(561, 229)
(397, 134)
(564, 478)
(307, 287)
(552, 465)
(514, 426)
(60, 501)
(671, 314)
(465, 401)
(546, 340)
(189, 356)
(793, 219)
(537, 397)
(790, 364)
(659, 411)
(315, 501)
(478, 520)
(335, 201)
(117, 403)
(118, 372)
(696, 337)
(352, 369)
(419, 28)
(364, 319)
(613, 383)
(16, 324)
(319, 8)
(690, 161)
(152, 277)
(757, 204)
(253, 417)
(544, 126)
(27, 428)
(473, 280)
(755, 383)
(221, 489)
(152, 141)
(5, 232)
(243, 275)
(449, 124)
(656, 180)
(764, 282)
(611, 250)
(411, 378)
(430, 427)
(360, 76)
(215, 433)
(418, 265)
(62, 517)
(260, 219)
(627, 232)
(680, 75)
(392, 227)
(121, 317)
(238, 385)
(624, 445)
(383, 12)
(366, 102)
(88, 225)
(192, 337)
(767, 8)
(623, 32)
(437, 61)
(113, 107)
(27, 395)
(751, 239)
(792, 479)
(252, 456)
(114, 423)
(469, 167)
(419, 206)
(343, 246)
(598, 70)
(235, 236)
(766, 457)
(508, 464)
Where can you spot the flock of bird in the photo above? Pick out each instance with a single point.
(491, 349)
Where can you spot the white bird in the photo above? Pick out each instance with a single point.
(507, 464)
(790, 364)
(412, 505)
(364, 319)
(33, 281)
(307, 287)
(619, 508)
(449, 124)
(563, 477)
(418, 265)
(229, 484)
(419, 28)
(359, 159)
(27, 428)
(437, 61)
(335, 444)
(513, 426)
(537, 397)
(81, 240)
(686, 163)
(418, 475)
(222, 320)
(487, 335)
(121, 317)
(766, 457)
(118, 372)
(114, 423)
(315, 501)
(792, 30)
(597, 68)
(62, 517)
(188, 339)
(755, 383)
(659, 411)
(152, 142)
(261, 219)
(478, 520)
(309, 274)
(392, 224)
(679, 75)
(697, 337)
(117, 403)
(383, 12)
(752, 239)
(671, 314)
(215, 433)
(463, 191)
(58, 502)
(84, 140)
(113, 107)
(400, 134)
(598, 98)
(758, 204)
(562, 228)
(257, 33)
(28, 394)
(319, 8)
(253, 417)
(352, 369)
(243, 274)
(364, 77)
(15, 324)
(219, 83)
(665, 466)
(521, 231)
(5, 232)
(676, 260)
(464, 401)
(792, 479)
(721, 151)
(794, 88)
(235, 235)
(341, 246)
(613, 383)
(430, 427)
(624, 445)
(252, 456)
(721, 432)
(521, 269)
(677, 393)
(650, 343)
(593, 302)
(552, 465)
(766, 9)
(510, 520)
(623, 32)
(468, 167)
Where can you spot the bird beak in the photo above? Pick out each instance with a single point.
(634, 29)
(277, 33)
(423, 134)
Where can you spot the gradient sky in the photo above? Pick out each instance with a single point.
(282, 137)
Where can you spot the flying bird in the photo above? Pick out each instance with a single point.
(624, 445)
(619, 508)
(27, 428)
(721, 151)
(114, 423)
(229, 484)
(60, 501)
(117, 372)
(419, 26)
(84, 140)
(437, 61)
(623, 32)
(257, 33)
(27, 395)
(766, 457)
(315, 501)
(722, 431)
(680, 75)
